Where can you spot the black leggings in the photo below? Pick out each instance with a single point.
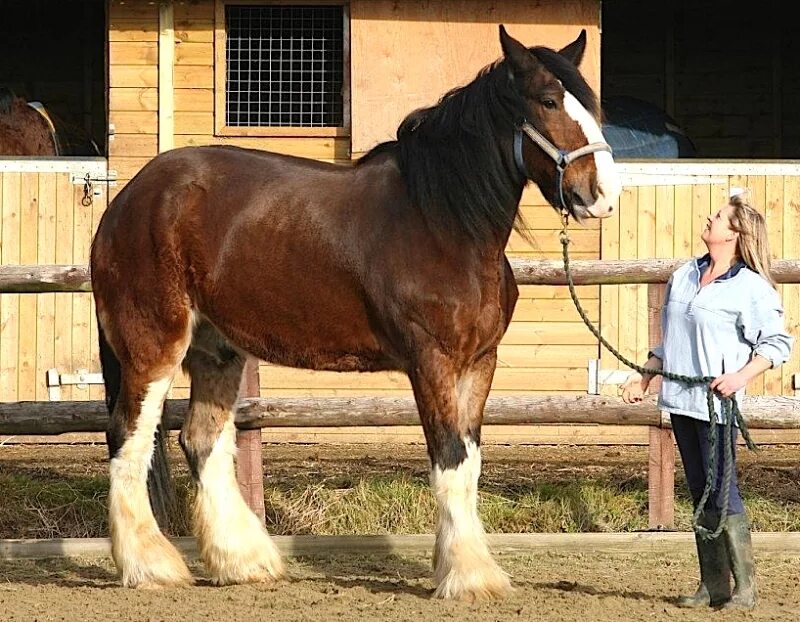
(692, 438)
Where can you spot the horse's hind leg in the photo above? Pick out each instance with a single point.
(232, 541)
(144, 557)
(451, 409)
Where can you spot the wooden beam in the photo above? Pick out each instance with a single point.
(661, 462)
(249, 459)
(90, 416)
(166, 78)
(764, 543)
(34, 279)
(661, 479)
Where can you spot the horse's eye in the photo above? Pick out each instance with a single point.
(550, 104)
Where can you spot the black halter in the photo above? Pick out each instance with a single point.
(562, 158)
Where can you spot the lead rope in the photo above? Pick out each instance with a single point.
(730, 409)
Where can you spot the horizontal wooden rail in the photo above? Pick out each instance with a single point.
(40, 279)
(37, 279)
(45, 418)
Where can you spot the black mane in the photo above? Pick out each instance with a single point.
(456, 167)
(456, 157)
(570, 77)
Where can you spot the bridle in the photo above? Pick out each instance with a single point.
(561, 157)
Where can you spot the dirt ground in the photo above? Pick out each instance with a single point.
(548, 587)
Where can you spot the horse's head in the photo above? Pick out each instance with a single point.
(559, 145)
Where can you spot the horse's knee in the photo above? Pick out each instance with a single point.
(448, 448)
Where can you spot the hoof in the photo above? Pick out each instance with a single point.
(151, 563)
(474, 585)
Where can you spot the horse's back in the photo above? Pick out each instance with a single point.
(242, 233)
(23, 130)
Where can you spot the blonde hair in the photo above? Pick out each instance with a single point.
(752, 247)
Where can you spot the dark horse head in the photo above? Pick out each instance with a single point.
(528, 116)
(563, 109)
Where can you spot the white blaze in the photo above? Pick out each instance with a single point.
(608, 182)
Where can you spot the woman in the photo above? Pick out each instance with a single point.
(722, 318)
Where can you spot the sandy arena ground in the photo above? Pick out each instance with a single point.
(549, 587)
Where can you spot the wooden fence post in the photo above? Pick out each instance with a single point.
(661, 462)
(249, 466)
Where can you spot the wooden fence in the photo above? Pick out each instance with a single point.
(761, 412)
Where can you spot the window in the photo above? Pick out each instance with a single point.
(282, 69)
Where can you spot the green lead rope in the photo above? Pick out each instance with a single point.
(730, 411)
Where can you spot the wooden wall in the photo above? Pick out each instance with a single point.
(664, 217)
(44, 221)
(406, 55)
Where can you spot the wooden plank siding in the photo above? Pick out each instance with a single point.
(43, 222)
(680, 217)
(133, 86)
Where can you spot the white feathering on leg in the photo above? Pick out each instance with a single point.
(143, 555)
(464, 568)
(233, 543)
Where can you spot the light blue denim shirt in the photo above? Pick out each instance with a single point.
(716, 330)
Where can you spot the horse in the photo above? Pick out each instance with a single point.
(395, 262)
(25, 127)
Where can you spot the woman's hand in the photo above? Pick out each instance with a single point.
(634, 387)
(728, 384)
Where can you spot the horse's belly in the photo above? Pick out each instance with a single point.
(306, 333)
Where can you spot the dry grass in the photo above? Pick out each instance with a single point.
(76, 507)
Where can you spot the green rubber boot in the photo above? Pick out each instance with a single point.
(740, 554)
(715, 572)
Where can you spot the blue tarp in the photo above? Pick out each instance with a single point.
(638, 129)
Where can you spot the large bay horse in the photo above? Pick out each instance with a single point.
(395, 263)
(25, 130)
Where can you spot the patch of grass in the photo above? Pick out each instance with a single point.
(75, 506)
(37, 508)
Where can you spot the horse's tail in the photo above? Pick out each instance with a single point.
(159, 482)
(7, 98)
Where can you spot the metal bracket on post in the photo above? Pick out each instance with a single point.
(598, 377)
(81, 378)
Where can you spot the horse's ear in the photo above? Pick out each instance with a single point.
(574, 51)
(517, 54)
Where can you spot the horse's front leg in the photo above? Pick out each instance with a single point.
(451, 409)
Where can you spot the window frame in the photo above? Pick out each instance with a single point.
(221, 70)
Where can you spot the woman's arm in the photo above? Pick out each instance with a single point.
(634, 387)
(728, 384)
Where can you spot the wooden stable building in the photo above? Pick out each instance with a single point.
(145, 77)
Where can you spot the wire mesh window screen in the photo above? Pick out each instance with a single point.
(285, 66)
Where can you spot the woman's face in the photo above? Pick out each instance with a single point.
(718, 228)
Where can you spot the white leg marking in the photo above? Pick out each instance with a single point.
(233, 543)
(608, 181)
(142, 553)
(463, 567)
